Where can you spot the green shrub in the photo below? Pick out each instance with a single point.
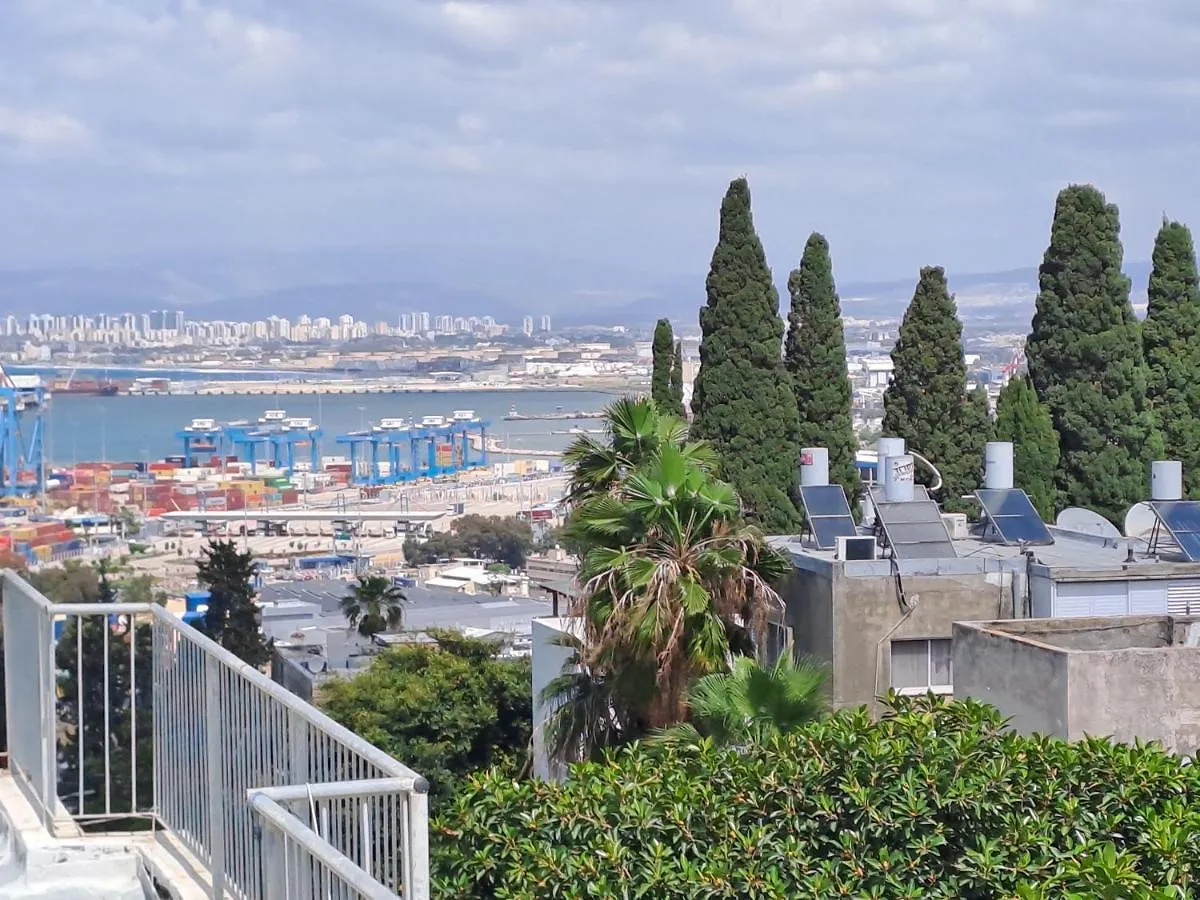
(937, 800)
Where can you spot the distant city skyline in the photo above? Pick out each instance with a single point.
(167, 327)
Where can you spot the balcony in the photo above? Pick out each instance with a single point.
(146, 761)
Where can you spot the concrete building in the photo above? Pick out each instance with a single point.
(1128, 678)
(888, 622)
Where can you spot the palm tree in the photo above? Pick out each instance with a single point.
(635, 430)
(586, 712)
(374, 605)
(752, 702)
(674, 582)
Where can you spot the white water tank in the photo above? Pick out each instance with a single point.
(885, 447)
(898, 485)
(998, 466)
(814, 466)
(1166, 479)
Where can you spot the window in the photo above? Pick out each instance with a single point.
(923, 665)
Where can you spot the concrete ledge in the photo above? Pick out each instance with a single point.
(78, 866)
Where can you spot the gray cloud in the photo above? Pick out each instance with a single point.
(910, 131)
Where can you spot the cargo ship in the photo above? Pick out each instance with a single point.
(76, 386)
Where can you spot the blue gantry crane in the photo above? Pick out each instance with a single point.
(399, 450)
(275, 439)
(22, 409)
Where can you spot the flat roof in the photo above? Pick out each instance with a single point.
(426, 607)
(1072, 552)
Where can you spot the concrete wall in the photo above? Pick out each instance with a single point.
(1137, 693)
(841, 617)
(1128, 677)
(549, 661)
(292, 676)
(1025, 679)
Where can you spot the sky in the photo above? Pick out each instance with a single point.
(910, 132)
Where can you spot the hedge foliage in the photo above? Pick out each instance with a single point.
(934, 801)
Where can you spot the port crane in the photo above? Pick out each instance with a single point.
(22, 409)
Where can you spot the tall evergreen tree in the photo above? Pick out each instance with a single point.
(1021, 419)
(815, 356)
(1085, 359)
(232, 618)
(926, 402)
(1171, 338)
(663, 355)
(677, 381)
(742, 401)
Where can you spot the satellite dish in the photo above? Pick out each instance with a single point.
(1140, 520)
(316, 666)
(1084, 521)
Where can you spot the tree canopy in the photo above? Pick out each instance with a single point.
(935, 800)
(1021, 419)
(499, 538)
(1086, 362)
(445, 710)
(742, 401)
(662, 363)
(232, 619)
(926, 402)
(1171, 339)
(815, 354)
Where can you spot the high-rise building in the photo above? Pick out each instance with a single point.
(545, 323)
(422, 322)
(527, 325)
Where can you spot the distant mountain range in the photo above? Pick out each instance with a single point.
(379, 284)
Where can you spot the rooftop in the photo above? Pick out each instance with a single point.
(1075, 553)
(426, 607)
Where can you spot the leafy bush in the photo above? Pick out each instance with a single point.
(934, 801)
(446, 710)
(498, 538)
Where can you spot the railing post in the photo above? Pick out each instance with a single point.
(416, 863)
(275, 878)
(215, 766)
(49, 716)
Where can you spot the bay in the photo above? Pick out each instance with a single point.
(81, 427)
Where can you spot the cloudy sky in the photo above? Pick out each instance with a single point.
(911, 132)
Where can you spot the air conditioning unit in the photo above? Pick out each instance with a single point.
(854, 548)
(956, 526)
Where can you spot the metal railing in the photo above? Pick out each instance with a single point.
(123, 715)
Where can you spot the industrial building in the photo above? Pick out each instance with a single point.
(878, 601)
(1129, 678)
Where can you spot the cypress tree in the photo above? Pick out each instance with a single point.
(663, 350)
(677, 381)
(232, 618)
(742, 400)
(926, 402)
(1022, 419)
(815, 356)
(1085, 359)
(1171, 338)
